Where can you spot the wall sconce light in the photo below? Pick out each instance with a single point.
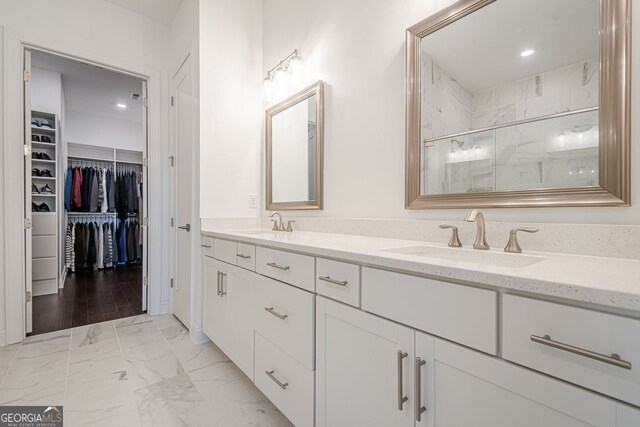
(290, 63)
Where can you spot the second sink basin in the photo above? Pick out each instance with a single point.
(498, 259)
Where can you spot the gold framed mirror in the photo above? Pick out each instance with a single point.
(294, 136)
(519, 103)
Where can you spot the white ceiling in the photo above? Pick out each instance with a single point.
(93, 90)
(159, 10)
(483, 49)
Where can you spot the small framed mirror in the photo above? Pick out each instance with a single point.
(519, 103)
(294, 151)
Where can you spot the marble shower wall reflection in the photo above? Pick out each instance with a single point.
(560, 152)
(552, 153)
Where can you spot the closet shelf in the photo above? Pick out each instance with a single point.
(89, 159)
(42, 129)
(43, 144)
(42, 195)
(44, 178)
(91, 213)
(53, 162)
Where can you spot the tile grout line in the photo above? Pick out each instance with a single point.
(66, 374)
(4, 377)
(124, 363)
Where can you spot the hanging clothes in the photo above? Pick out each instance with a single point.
(87, 189)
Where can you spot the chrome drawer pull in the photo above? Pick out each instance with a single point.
(418, 391)
(243, 256)
(334, 281)
(401, 397)
(275, 313)
(275, 380)
(218, 290)
(613, 359)
(206, 246)
(279, 267)
(222, 276)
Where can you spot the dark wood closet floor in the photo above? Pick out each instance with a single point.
(90, 297)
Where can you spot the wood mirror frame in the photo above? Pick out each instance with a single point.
(614, 121)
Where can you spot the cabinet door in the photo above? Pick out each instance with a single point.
(213, 309)
(238, 292)
(358, 367)
(470, 389)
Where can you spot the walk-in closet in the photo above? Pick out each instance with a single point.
(86, 188)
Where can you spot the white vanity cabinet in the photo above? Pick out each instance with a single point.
(363, 368)
(230, 310)
(334, 343)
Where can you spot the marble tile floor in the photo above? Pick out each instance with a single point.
(138, 371)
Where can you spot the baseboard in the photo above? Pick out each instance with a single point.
(3, 338)
(164, 308)
(63, 277)
(196, 334)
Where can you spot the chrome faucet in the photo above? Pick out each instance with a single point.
(277, 225)
(481, 237)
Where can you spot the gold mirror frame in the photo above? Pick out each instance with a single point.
(614, 121)
(315, 89)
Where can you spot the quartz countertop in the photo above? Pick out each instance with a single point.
(611, 282)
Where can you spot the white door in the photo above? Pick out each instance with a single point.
(363, 369)
(182, 122)
(27, 192)
(214, 306)
(462, 387)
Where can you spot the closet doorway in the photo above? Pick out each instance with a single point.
(85, 192)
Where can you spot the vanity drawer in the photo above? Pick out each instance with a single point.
(286, 382)
(338, 280)
(225, 250)
(287, 319)
(246, 256)
(524, 319)
(458, 313)
(207, 246)
(288, 267)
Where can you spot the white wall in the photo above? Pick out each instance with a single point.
(230, 106)
(358, 48)
(46, 91)
(104, 131)
(104, 33)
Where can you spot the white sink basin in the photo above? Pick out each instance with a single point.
(498, 259)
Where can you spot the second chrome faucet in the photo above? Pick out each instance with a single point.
(279, 225)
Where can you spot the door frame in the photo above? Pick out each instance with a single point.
(195, 326)
(13, 138)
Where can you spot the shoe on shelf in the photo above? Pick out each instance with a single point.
(35, 138)
(36, 172)
(34, 189)
(43, 207)
(34, 207)
(35, 155)
(46, 189)
(35, 122)
(45, 138)
(45, 123)
(46, 173)
(45, 156)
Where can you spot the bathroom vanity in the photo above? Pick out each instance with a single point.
(341, 330)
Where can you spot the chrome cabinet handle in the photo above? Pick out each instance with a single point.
(222, 276)
(275, 313)
(418, 389)
(613, 359)
(334, 281)
(275, 380)
(218, 284)
(186, 227)
(279, 267)
(243, 256)
(206, 246)
(401, 397)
